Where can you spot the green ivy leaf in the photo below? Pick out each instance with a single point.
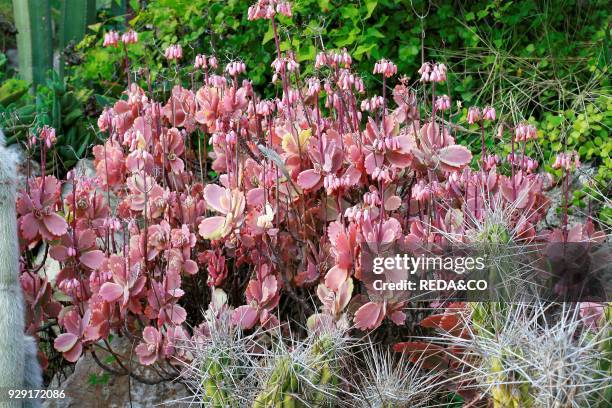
(408, 51)
(349, 12)
(370, 6)
(374, 33)
(323, 5)
(362, 49)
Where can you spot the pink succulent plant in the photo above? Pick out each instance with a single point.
(70, 344)
(262, 296)
(229, 203)
(37, 211)
(126, 286)
(150, 349)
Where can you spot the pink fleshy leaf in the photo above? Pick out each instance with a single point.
(55, 224)
(29, 226)
(213, 227)
(575, 233)
(335, 277)
(345, 292)
(369, 316)
(310, 275)
(398, 317)
(523, 198)
(71, 321)
(87, 239)
(400, 160)
(343, 250)
(190, 267)
(325, 295)
(308, 179)
(178, 314)
(268, 288)
(74, 353)
(592, 314)
(92, 259)
(245, 317)
(150, 335)
(217, 198)
(372, 161)
(65, 342)
(111, 291)
(59, 253)
(177, 166)
(393, 203)
(353, 175)
(144, 355)
(454, 157)
(24, 204)
(255, 197)
(391, 230)
(427, 354)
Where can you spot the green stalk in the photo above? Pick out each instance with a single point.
(33, 22)
(77, 15)
(119, 8)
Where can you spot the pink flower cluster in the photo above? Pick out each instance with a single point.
(174, 52)
(432, 72)
(203, 62)
(111, 38)
(567, 161)
(267, 9)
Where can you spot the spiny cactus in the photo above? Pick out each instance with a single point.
(306, 374)
(11, 298)
(536, 355)
(283, 386)
(387, 381)
(213, 381)
(493, 235)
(508, 389)
(16, 356)
(323, 369)
(218, 365)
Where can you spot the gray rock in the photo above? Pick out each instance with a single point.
(580, 178)
(22, 164)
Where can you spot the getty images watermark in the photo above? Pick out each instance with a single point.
(404, 265)
(556, 272)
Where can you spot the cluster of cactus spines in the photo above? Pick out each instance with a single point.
(19, 367)
(305, 375)
(218, 369)
(283, 388)
(228, 368)
(536, 355)
(509, 269)
(213, 382)
(11, 298)
(604, 363)
(324, 369)
(389, 381)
